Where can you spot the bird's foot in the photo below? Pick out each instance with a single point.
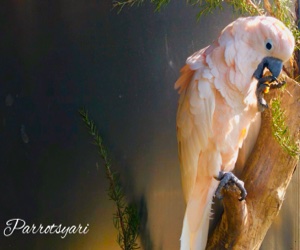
(261, 102)
(227, 178)
(263, 87)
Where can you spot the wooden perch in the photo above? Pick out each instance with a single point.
(266, 176)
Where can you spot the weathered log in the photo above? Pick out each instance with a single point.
(267, 174)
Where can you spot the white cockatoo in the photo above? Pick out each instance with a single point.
(220, 95)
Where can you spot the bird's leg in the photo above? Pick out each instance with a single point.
(263, 87)
(226, 178)
(261, 102)
(278, 85)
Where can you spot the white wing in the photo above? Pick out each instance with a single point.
(194, 119)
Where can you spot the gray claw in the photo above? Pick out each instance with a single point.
(261, 87)
(226, 178)
(261, 102)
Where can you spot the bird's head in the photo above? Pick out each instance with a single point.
(271, 43)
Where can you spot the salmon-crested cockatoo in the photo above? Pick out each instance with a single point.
(221, 89)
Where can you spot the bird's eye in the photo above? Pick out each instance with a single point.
(269, 45)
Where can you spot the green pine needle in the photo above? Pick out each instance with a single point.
(279, 9)
(120, 4)
(125, 219)
(281, 131)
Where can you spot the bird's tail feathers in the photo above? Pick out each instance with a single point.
(196, 220)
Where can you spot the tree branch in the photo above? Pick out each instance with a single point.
(266, 176)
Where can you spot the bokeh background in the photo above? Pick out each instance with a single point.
(59, 56)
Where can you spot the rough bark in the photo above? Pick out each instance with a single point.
(266, 175)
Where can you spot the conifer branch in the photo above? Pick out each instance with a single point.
(125, 219)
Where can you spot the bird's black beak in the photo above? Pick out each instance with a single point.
(274, 65)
